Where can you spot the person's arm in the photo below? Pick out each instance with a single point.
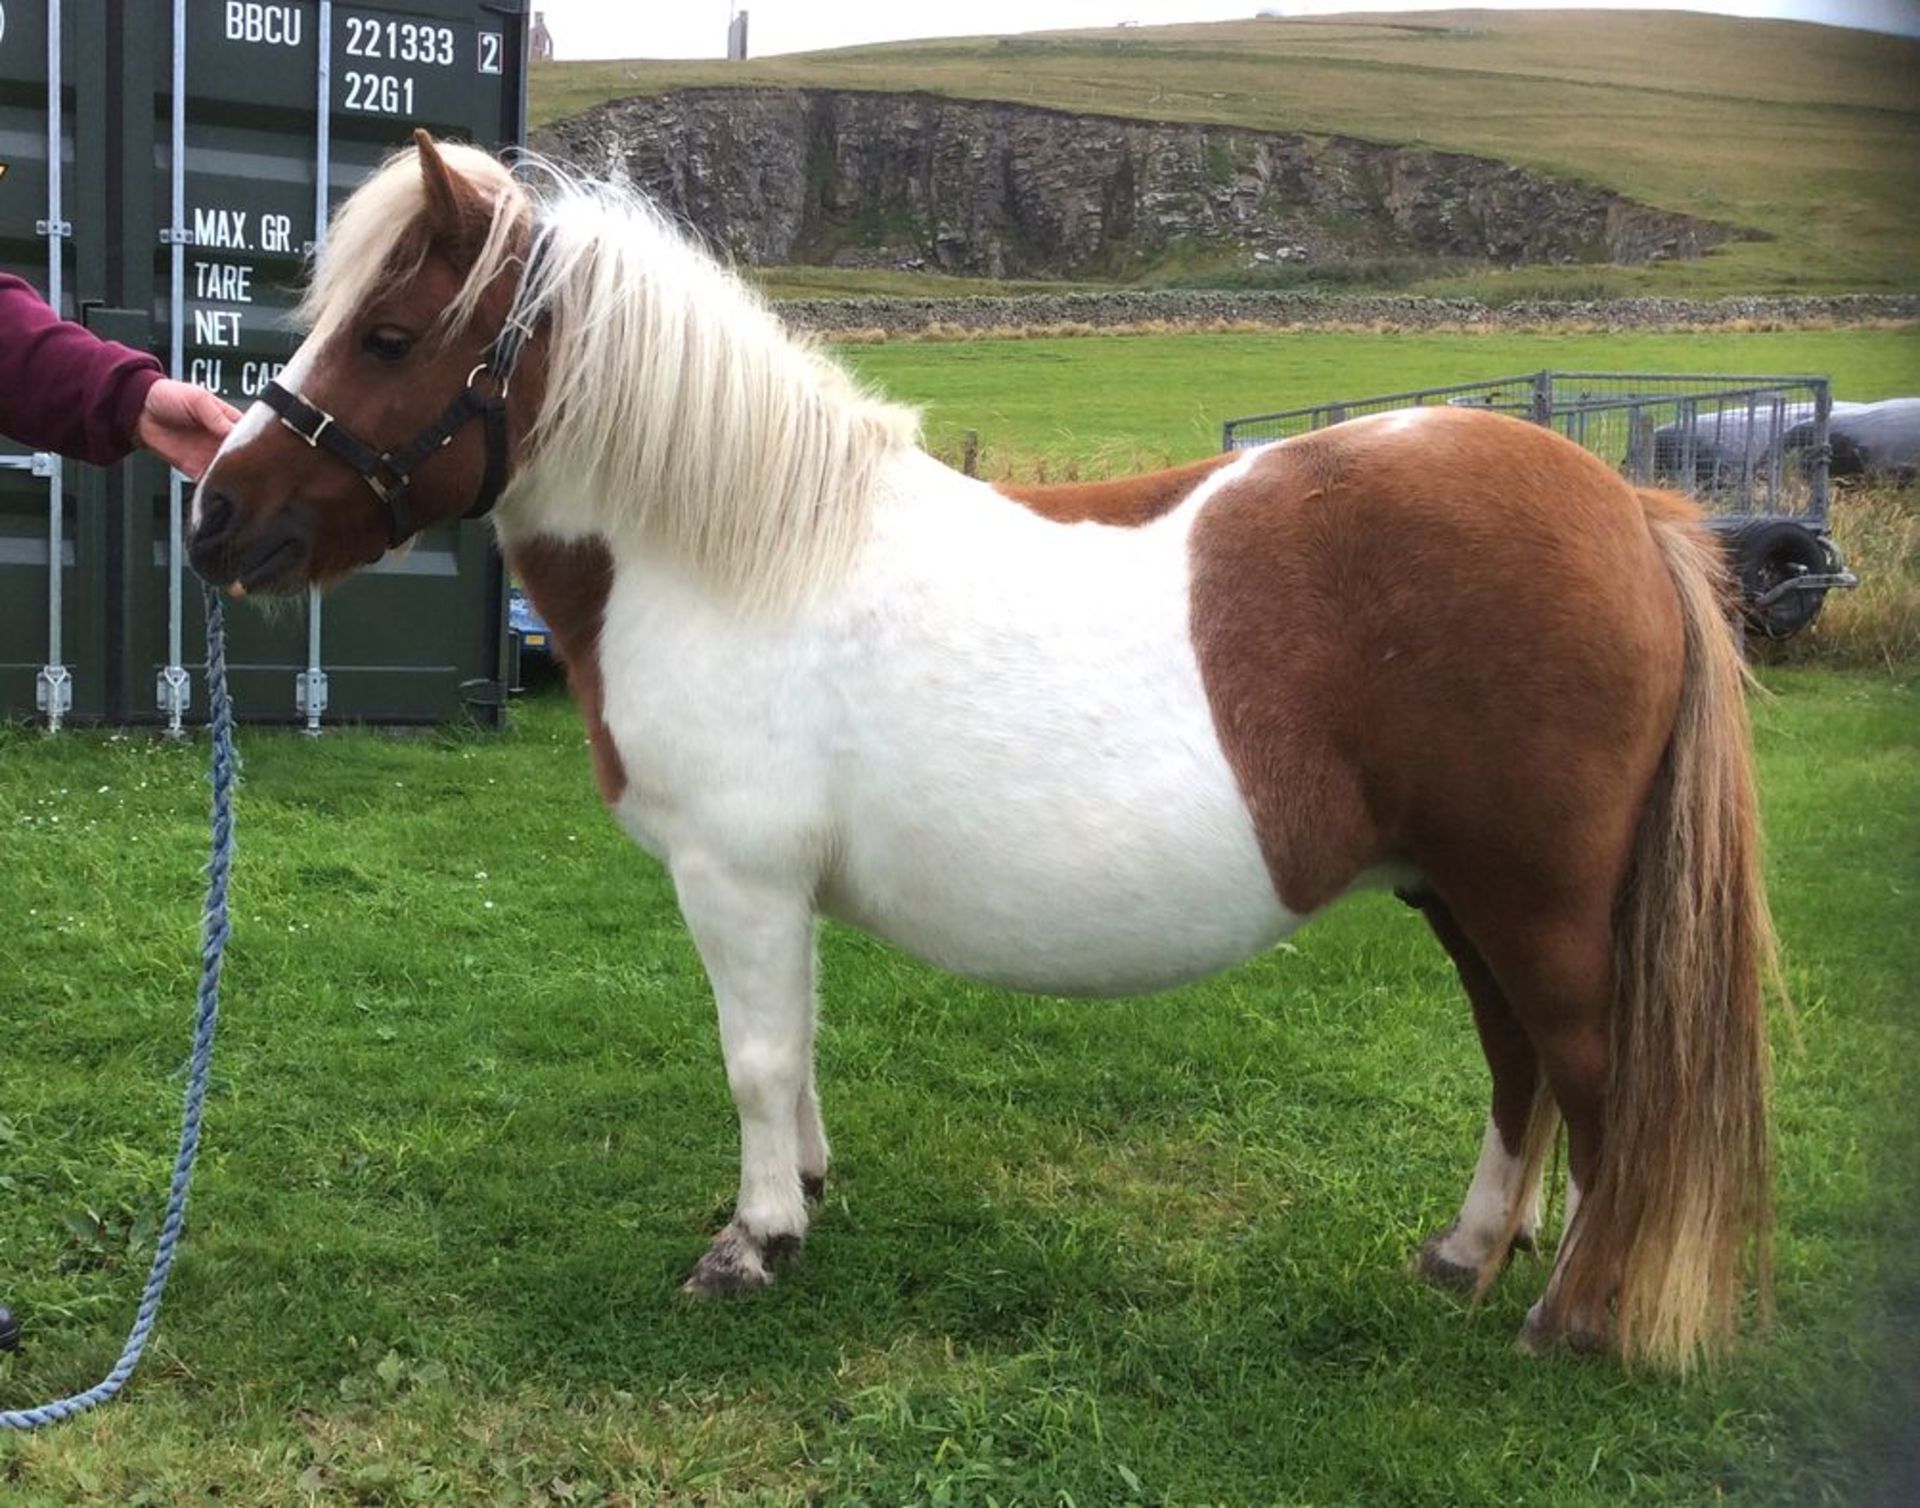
(61, 386)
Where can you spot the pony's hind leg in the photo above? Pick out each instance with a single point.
(757, 942)
(1501, 1212)
(1556, 966)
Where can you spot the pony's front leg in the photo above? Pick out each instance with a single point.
(813, 1133)
(757, 941)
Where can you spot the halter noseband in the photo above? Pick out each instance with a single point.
(389, 473)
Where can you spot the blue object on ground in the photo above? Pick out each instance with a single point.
(213, 944)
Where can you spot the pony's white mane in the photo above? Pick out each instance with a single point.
(679, 413)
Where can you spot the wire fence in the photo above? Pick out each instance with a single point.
(1740, 445)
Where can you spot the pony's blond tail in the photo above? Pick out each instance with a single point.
(1681, 1202)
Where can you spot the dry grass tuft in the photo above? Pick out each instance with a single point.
(1877, 624)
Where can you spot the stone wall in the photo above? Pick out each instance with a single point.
(1003, 190)
(1198, 310)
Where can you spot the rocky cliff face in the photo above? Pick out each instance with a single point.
(1003, 190)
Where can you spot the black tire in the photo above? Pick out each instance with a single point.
(1768, 552)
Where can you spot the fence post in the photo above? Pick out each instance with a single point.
(970, 453)
(1822, 448)
(1543, 398)
(1639, 445)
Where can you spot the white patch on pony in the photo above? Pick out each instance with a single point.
(1398, 418)
(991, 745)
(1482, 1221)
(256, 421)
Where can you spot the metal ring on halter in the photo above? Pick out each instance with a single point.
(503, 380)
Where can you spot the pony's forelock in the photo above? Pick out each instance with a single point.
(376, 241)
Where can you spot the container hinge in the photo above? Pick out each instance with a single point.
(175, 235)
(310, 693)
(53, 693)
(62, 228)
(174, 695)
(45, 463)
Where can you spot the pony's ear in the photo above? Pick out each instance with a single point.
(457, 213)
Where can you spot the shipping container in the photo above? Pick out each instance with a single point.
(168, 169)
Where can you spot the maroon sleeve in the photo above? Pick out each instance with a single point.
(61, 386)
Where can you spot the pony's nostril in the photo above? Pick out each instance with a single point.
(208, 540)
(216, 516)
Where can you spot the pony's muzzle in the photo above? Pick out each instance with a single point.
(272, 557)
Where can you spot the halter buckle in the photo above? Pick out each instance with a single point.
(386, 483)
(312, 437)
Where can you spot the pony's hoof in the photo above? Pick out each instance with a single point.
(1437, 1268)
(737, 1263)
(1538, 1336)
(1443, 1271)
(814, 1186)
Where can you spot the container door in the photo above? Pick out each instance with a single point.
(287, 108)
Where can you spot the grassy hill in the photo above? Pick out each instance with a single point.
(1810, 134)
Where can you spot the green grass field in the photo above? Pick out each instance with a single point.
(1110, 404)
(469, 1127)
(1805, 133)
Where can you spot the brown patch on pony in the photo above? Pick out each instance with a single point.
(1459, 608)
(568, 582)
(1462, 643)
(1125, 503)
(1509, 1052)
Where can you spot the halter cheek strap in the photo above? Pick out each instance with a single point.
(389, 473)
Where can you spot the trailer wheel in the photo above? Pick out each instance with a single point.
(1766, 554)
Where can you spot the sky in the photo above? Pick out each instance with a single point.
(698, 28)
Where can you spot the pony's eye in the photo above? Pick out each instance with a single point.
(385, 343)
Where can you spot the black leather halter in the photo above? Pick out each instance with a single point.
(389, 473)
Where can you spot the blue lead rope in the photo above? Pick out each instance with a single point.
(213, 943)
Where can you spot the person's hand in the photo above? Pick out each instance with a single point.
(184, 424)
